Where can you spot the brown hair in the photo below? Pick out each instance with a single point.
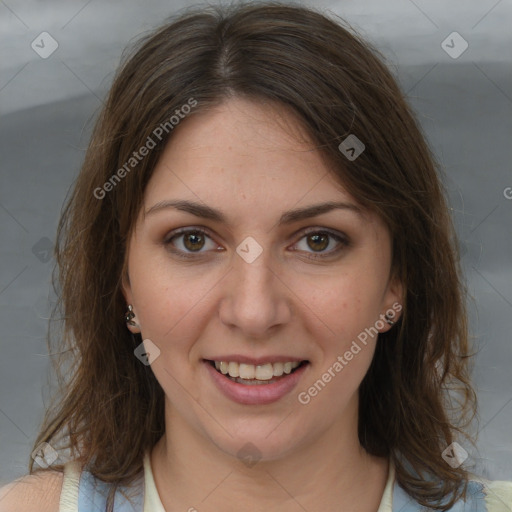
(112, 408)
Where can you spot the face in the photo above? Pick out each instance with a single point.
(237, 278)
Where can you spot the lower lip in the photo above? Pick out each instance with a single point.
(259, 394)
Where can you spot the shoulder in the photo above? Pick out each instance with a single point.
(482, 495)
(498, 494)
(39, 492)
(485, 495)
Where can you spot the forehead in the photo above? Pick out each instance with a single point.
(259, 123)
(243, 147)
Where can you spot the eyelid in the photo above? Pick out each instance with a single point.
(340, 237)
(188, 229)
(183, 231)
(333, 233)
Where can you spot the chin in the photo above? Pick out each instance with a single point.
(263, 441)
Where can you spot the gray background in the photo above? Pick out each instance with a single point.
(464, 105)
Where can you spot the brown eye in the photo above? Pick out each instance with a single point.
(319, 242)
(188, 242)
(193, 241)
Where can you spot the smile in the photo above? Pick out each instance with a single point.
(253, 384)
(245, 373)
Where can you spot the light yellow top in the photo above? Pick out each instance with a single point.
(498, 499)
(70, 485)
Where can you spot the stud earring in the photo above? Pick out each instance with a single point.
(130, 315)
(388, 320)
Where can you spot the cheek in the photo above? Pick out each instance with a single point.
(343, 304)
(344, 310)
(170, 301)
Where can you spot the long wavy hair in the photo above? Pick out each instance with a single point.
(416, 397)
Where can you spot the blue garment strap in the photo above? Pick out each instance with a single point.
(92, 495)
(475, 502)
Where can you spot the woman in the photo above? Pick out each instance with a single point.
(260, 286)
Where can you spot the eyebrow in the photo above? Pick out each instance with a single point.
(207, 212)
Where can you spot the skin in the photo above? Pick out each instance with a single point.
(253, 162)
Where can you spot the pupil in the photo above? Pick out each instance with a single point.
(316, 238)
(195, 236)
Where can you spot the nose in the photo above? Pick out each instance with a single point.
(256, 300)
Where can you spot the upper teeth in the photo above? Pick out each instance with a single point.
(251, 371)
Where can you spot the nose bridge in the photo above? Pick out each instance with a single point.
(256, 300)
(256, 275)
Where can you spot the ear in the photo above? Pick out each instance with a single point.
(133, 325)
(393, 303)
(126, 286)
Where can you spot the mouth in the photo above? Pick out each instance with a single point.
(256, 375)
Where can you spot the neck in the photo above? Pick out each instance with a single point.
(330, 473)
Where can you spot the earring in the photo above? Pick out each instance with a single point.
(130, 315)
(388, 320)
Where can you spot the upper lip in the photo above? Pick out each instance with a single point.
(239, 358)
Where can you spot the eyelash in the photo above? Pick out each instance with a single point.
(341, 239)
